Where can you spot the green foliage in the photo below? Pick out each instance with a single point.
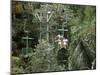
(44, 58)
(83, 46)
(81, 24)
(16, 68)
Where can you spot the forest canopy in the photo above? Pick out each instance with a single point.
(36, 29)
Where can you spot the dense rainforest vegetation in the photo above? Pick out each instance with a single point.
(40, 23)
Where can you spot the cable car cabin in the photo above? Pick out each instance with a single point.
(61, 41)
